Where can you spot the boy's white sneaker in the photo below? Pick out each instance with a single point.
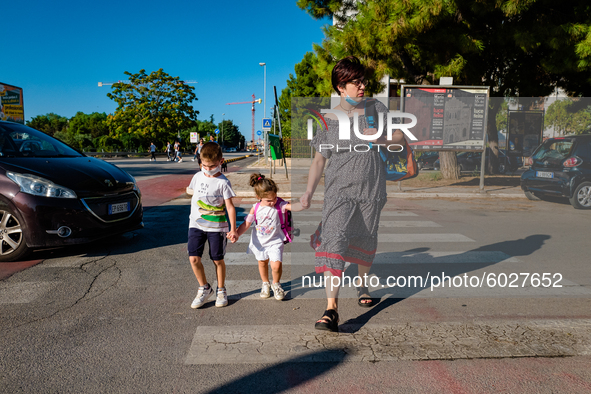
(266, 290)
(202, 296)
(222, 297)
(278, 291)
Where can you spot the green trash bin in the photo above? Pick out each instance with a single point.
(275, 145)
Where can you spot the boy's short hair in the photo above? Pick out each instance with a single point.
(211, 151)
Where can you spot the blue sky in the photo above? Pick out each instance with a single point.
(58, 51)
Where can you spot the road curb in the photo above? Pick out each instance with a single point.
(235, 159)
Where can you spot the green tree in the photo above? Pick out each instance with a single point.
(153, 106)
(94, 124)
(231, 135)
(518, 48)
(305, 83)
(49, 123)
(569, 118)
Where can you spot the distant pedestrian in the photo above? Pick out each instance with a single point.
(153, 151)
(211, 139)
(177, 152)
(169, 151)
(198, 152)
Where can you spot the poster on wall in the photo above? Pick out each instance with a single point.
(11, 103)
(525, 132)
(448, 118)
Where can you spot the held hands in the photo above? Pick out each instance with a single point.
(306, 200)
(232, 236)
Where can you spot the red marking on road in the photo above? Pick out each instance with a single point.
(426, 312)
(9, 269)
(156, 191)
(443, 377)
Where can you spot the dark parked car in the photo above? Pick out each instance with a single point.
(52, 195)
(561, 167)
(426, 160)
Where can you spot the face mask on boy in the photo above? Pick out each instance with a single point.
(212, 172)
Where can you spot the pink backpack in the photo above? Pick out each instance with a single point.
(285, 219)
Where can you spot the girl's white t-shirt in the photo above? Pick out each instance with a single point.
(267, 227)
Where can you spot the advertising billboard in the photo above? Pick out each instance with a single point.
(448, 117)
(11, 103)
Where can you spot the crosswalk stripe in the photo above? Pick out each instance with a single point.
(428, 257)
(386, 224)
(311, 286)
(318, 214)
(382, 215)
(398, 238)
(299, 343)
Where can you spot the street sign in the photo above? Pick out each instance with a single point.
(259, 132)
(217, 131)
(267, 124)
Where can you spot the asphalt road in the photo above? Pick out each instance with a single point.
(115, 316)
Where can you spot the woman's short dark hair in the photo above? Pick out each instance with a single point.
(346, 70)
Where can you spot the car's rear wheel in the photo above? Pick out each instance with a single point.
(581, 198)
(12, 241)
(531, 196)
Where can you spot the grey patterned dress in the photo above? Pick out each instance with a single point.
(354, 195)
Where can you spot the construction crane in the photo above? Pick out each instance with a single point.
(250, 102)
(111, 83)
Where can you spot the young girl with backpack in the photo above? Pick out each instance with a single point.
(272, 218)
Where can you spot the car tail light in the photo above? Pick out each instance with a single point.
(572, 162)
(529, 161)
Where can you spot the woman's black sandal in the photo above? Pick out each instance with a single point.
(329, 321)
(368, 301)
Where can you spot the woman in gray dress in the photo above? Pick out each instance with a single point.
(354, 189)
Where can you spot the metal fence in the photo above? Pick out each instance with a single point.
(300, 148)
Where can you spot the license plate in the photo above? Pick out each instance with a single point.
(118, 208)
(544, 174)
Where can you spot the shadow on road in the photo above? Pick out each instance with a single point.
(286, 375)
(404, 264)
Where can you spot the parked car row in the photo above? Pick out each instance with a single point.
(52, 195)
(472, 161)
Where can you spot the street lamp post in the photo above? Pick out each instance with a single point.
(264, 65)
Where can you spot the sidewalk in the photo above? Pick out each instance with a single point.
(426, 185)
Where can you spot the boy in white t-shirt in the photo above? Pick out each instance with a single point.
(212, 198)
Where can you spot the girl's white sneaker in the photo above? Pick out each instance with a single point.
(278, 291)
(266, 290)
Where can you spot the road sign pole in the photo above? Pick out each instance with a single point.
(277, 116)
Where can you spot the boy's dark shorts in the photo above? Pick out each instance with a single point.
(217, 243)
